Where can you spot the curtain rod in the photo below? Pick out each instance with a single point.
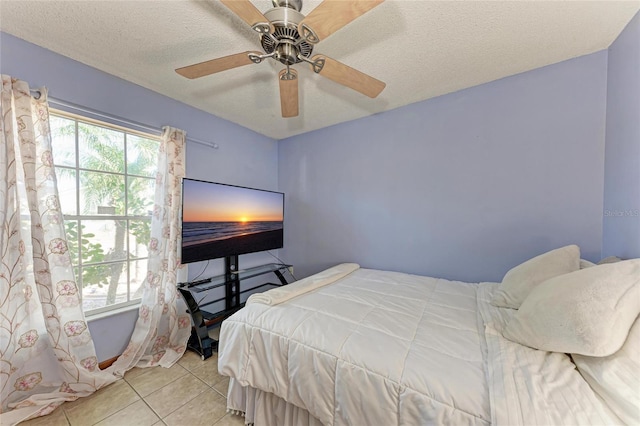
(130, 123)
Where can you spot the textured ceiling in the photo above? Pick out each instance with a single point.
(421, 49)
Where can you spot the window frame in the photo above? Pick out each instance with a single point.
(78, 217)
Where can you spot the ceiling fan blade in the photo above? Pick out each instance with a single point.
(216, 65)
(288, 92)
(347, 76)
(249, 14)
(331, 15)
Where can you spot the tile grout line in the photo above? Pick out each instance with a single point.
(179, 407)
(64, 413)
(150, 407)
(143, 400)
(88, 397)
(212, 388)
(126, 406)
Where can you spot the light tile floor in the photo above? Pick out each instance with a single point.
(191, 392)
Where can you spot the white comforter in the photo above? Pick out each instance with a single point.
(376, 348)
(386, 348)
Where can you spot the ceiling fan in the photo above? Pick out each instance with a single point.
(288, 37)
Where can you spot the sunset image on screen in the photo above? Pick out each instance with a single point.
(221, 220)
(204, 202)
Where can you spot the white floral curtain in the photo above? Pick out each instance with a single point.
(163, 326)
(46, 352)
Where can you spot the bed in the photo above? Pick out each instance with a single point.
(356, 346)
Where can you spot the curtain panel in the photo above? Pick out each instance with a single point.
(47, 355)
(163, 326)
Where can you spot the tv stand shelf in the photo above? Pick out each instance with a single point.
(243, 274)
(200, 341)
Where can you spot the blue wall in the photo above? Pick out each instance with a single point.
(622, 153)
(244, 157)
(464, 186)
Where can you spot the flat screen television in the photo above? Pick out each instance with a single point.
(220, 220)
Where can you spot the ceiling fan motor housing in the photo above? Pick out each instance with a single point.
(285, 39)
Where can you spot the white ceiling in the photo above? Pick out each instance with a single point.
(420, 48)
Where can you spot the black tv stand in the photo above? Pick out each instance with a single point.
(200, 341)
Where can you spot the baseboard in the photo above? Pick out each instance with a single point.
(107, 363)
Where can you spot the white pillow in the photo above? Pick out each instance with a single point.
(616, 378)
(587, 312)
(519, 281)
(610, 259)
(586, 264)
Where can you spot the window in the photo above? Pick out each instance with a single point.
(106, 180)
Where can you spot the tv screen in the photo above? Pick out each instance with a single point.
(220, 220)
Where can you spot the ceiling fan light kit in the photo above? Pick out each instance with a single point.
(288, 37)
